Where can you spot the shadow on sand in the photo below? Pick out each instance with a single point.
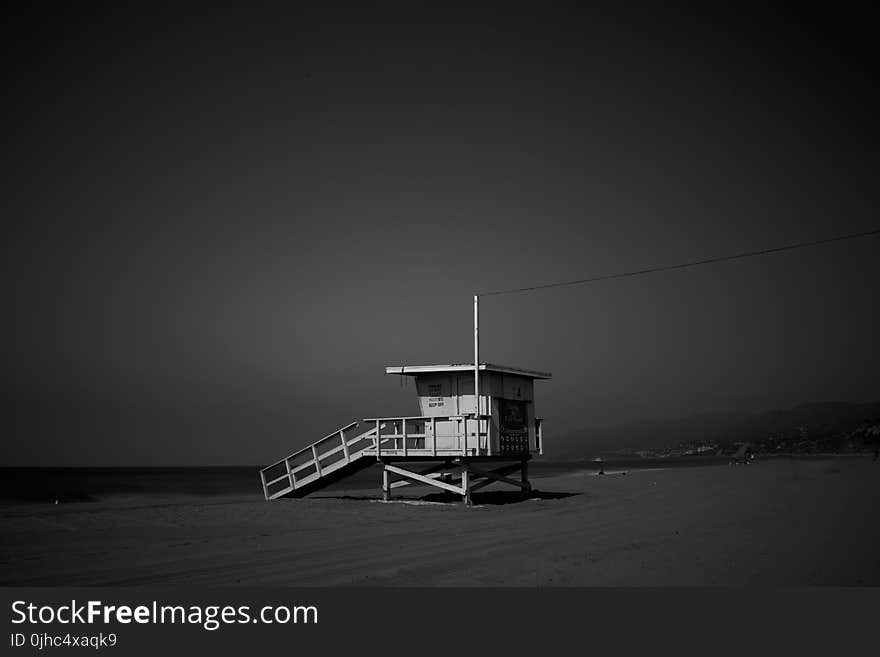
(498, 497)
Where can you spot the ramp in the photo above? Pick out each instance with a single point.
(325, 461)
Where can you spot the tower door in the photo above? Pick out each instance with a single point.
(513, 431)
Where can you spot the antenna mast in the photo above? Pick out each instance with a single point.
(477, 364)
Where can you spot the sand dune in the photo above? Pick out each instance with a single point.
(779, 522)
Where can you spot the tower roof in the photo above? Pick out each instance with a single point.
(414, 370)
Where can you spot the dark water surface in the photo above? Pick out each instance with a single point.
(68, 485)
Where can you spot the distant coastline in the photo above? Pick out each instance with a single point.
(93, 484)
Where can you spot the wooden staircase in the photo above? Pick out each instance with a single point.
(335, 456)
(403, 440)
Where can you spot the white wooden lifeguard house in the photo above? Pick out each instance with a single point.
(454, 443)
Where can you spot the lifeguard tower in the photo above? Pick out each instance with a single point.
(459, 442)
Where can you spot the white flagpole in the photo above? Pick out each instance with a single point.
(477, 364)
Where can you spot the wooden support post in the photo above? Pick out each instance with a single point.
(466, 484)
(524, 477)
(265, 487)
(434, 434)
(403, 431)
(386, 485)
(344, 447)
(378, 442)
(317, 462)
(290, 473)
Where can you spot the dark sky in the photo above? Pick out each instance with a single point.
(221, 227)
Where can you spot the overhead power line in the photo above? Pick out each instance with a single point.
(684, 265)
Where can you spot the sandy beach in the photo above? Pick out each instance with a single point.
(774, 522)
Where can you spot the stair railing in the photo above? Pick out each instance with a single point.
(291, 472)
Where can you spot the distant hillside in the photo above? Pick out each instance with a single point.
(807, 421)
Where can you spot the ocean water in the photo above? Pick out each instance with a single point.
(95, 484)
(72, 485)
